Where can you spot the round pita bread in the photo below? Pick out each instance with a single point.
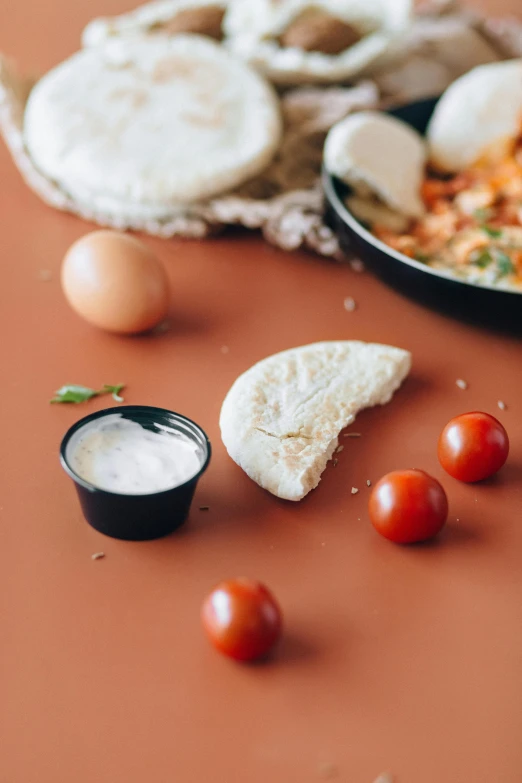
(253, 29)
(378, 155)
(479, 116)
(281, 419)
(147, 18)
(138, 126)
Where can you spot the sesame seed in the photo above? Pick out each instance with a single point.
(45, 275)
(384, 778)
(98, 556)
(225, 349)
(462, 384)
(339, 449)
(350, 304)
(502, 405)
(354, 490)
(335, 463)
(368, 483)
(352, 434)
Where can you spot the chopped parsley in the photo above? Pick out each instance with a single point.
(72, 393)
(483, 259)
(482, 214)
(114, 390)
(504, 265)
(494, 233)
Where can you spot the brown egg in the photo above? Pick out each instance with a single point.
(115, 282)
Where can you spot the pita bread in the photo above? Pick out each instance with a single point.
(285, 201)
(379, 155)
(452, 41)
(254, 28)
(376, 214)
(140, 126)
(479, 116)
(281, 419)
(153, 17)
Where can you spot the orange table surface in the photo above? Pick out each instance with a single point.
(406, 660)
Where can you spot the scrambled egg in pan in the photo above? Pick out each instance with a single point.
(473, 223)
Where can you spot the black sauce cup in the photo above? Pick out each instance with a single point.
(146, 516)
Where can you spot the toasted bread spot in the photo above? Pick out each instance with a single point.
(171, 68)
(136, 97)
(203, 21)
(199, 73)
(207, 119)
(317, 31)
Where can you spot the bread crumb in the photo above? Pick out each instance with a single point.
(45, 275)
(462, 384)
(357, 265)
(352, 434)
(368, 483)
(354, 490)
(327, 770)
(339, 449)
(225, 349)
(98, 556)
(502, 405)
(350, 304)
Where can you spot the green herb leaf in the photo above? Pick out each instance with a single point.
(482, 214)
(115, 391)
(504, 265)
(75, 394)
(483, 259)
(422, 258)
(494, 233)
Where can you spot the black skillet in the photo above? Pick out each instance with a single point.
(483, 305)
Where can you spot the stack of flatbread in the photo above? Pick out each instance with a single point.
(167, 122)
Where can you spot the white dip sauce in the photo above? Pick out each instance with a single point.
(121, 456)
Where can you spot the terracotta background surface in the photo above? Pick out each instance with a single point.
(394, 659)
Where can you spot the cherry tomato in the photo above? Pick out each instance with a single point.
(473, 447)
(407, 506)
(242, 619)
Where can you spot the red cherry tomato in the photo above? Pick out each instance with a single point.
(242, 619)
(473, 447)
(407, 506)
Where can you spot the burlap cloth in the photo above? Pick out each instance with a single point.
(286, 201)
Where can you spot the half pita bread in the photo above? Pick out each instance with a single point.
(139, 126)
(256, 31)
(203, 17)
(281, 419)
(479, 117)
(378, 155)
